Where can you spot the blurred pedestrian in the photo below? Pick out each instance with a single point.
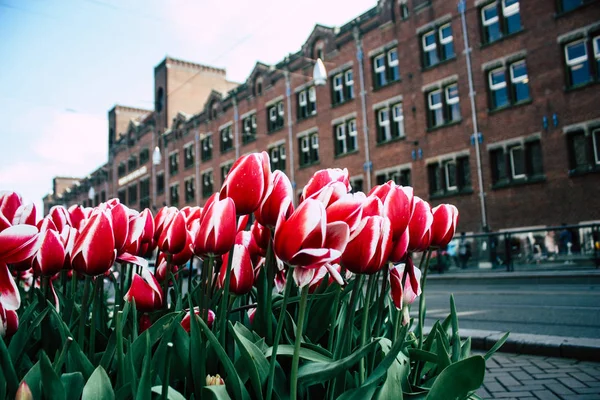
(464, 250)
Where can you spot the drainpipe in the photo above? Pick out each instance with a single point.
(197, 160)
(461, 9)
(368, 165)
(236, 129)
(288, 94)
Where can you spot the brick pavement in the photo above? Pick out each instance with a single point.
(525, 377)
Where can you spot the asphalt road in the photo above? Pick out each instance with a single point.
(558, 310)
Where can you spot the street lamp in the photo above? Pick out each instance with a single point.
(319, 73)
(156, 157)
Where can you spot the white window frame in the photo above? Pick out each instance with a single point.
(520, 79)
(302, 98)
(354, 131)
(339, 88)
(273, 114)
(447, 175)
(398, 119)
(340, 135)
(497, 86)
(280, 108)
(312, 94)
(454, 100)
(274, 154)
(578, 60)
(510, 10)
(282, 155)
(349, 82)
(381, 68)
(595, 139)
(314, 141)
(429, 47)
(432, 106)
(596, 42)
(512, 161)
(447, 40)
(305, 144)
(491, 21)
(392, 63)
(385, 124)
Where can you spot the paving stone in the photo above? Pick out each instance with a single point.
(588, 390)
(583, 377)
(503, 395)
(559, 388)
(526, 382)
(484, 394)
(527, 388)
(584, 397)
(494, 387)
(508, 381)
(571, 383)
(553, 375)
(546, 395)
(533, 370)
(520, 375)
(527, 398)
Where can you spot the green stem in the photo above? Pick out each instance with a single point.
(121, 379)
(225, 299)
(190, 277)
(347, 333)
(270, 265)
(280, 322)
(365, 320)
(45, 286)
(165, 383)
(98, 280)
(296, 356)
(166, 282)
(83, 315)
(397, 322)
(422, 298)
(208, 281)
(381, 301)
(334, 315)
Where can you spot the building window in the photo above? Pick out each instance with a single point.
(584, 151)
(275, 115)
(385, 68)
(307, 102)
(404, 12)
(568, 5)
(132, 163)
(207, 146)
(226, 136)
(249, 129)
(190, 189)
(343, 87)
(103, 196)
(500, 19)
(346, 140)
(449, 177)
(501, 95)
(390, 123)
(174, 195)
(160, 183)
(207, 184)
(309, 149)
(122, 195)
(443, 106)
(518, 162)
(225, 168)
(277, 157)
(188, 156)
(144, 156)
(437, 45)
(132, 194)
(400, 176)
(174, 163)
(357, 184)
(122, 169)
(145, 193)
(577, 61)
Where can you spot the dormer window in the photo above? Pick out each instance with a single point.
(258, 86)
(214, 108)
(319, 51)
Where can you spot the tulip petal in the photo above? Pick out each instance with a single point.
(18, 243)
(303, 276)
(130, 258)
(9, 293)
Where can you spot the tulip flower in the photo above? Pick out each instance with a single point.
(185, 322)
(50, 257)
(25, 214)
(146, 292)
(242, 273)
(174, 236)
(9, 204)
(119, 215)
(60, 216)
(9, 321)
(277, 199)
(94, 251)
(139, 239)
(369, 246)
(214, 380)
(320, 275)
(261, 236)
(144, 323)
(77, 215)
(161, 270)
(322, 178)
(348, 208)
(420, 226)
(217, 230)
(403, 295)
(247, 182)
(24, 393)
(306, 239)
(445, 218)
(162, 216)
(191, 214)
(398, 204)
(400, 248)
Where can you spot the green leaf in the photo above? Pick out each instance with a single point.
(318, 372)
(84, 364)
(16, 348)
(155, 332)
(233, 380)
(455, 335)
(442, 352)
(8, 369)
(305, 353)
(198, 350)
(172, 394)
(218, 392)
(53, 387)
(495, 348)
(74, 383)
(98, 387)
(144, 388)
(109, 352)
(34, 380)
(397, 375)
(458, 379)
(422, 355)
(253, 360)
(465, 350)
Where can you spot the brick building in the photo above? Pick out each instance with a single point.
(396, 105)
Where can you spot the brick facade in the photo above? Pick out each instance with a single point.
(541, 116)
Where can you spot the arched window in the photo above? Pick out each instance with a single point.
(258, 86)
(319, 50)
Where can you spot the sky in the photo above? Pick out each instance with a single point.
(65, 63)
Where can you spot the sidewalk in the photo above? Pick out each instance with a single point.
(512, 376)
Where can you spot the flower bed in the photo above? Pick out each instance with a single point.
(308, 302)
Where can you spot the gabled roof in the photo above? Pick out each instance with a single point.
(322, 32)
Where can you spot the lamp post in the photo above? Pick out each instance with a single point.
(156, 159)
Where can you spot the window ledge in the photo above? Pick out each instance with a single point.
(502, 39)
(342, 155)
(248, 141)
(226, 151)
(390, 83)
(206, 159)
(189, 167)
(452, 193)
(392, 140)
(446, 125)
(519, 182)
(334, 105)
(298, 120)
(510, 106)
(580, 86)
(310, 164)
(446, 61)
(276, 130)
(581, 172)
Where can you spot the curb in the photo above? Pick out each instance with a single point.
(583, 349)
(530, 277)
